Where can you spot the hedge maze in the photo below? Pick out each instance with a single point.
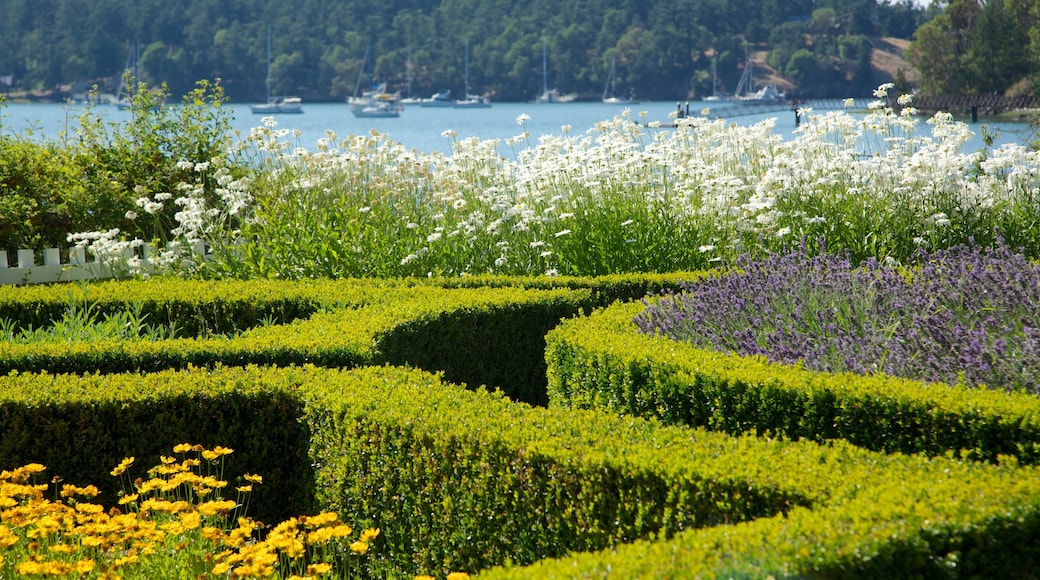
(521, 428)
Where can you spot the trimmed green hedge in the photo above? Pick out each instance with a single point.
(462, 480)
(603, 361)
(492, 336)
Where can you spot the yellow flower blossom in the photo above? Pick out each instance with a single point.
(369, 534)
(253, 478)
(244, 488)
(7, 537)
(191, 520)
(212, 508)
(210, 481)
(128, 499)
(122, 467)
(216, 452)
(72, 490)
(319, 520)
(182, 448)
(359, 547)
(125, 560)
(320, 568)
(458, 576)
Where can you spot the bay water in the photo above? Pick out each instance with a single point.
(423, 129)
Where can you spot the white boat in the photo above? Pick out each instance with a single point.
(745, 93)
(277, 105)
(471, 101)
(551, 95)
(379, 107)
(375, 102)
(608, 89)
(438, 99)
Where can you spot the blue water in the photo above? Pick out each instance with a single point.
(422, 128)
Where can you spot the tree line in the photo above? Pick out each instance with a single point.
(977, 47)
(325, 49)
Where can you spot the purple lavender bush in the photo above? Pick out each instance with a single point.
(968, 315)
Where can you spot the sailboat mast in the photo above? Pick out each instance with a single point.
(545, 69)
(268, 81)
(408, 66)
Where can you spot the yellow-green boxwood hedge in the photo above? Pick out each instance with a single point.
(460, 478)
(603, 361)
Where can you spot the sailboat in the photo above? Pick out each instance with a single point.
(410, 100)
(745, 92)
(373, 102)
(715, 95)
(278, 105)
(551, 96)
(122, 98)
(471, 101)
(609, 97)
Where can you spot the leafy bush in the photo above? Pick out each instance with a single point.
(91, 180)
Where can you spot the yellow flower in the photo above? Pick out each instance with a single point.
(253, 478)
(458, 576)
(319, 520)
(212, 508)
(210, 481)
(321, 568)
(244, 488)
(182, 448)
(369, 534)
(128, 559)
(423, 577)
(220, 569)
(7, 537)
(212, 533)
(191, 520)
(123, 466)
(84, 566)
(128, 499)
(89, 508)
(68, 490)
(359, 547)
(217, 451)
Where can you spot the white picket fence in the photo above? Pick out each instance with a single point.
(59, 266)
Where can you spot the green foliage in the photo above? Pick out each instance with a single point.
(89, 180)
(42, 196)
(977, 47)
(318, 48)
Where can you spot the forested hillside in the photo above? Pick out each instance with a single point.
(662, 49)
